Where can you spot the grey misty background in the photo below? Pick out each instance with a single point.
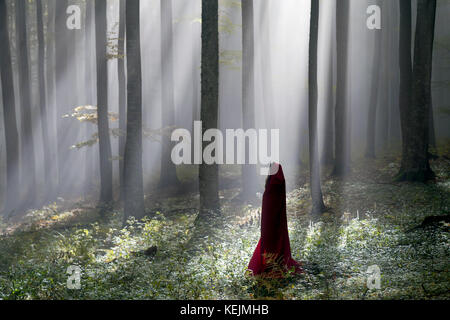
(286, 49)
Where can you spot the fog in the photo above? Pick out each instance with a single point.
(281, 85)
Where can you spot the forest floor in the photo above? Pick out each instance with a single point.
(372, 221)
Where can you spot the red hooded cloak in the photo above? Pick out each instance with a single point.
(272, 256)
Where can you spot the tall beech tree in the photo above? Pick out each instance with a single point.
(9, 115)
(168, 168)
(265, 58)
(42, 90)
(373, 103)
(51, 95)
(122, 91)
(195, 44)
(60, 89)
(415, 112)
(314, 164)
(248, 92)
(28, 166)
(106, 191)
(89, 91)
(209, 173)
(328, 141)
(342, 139)
(134, 190)
(405, 66)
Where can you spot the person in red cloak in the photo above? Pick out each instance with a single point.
(272, 257)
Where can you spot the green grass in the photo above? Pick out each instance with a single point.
(369, 223)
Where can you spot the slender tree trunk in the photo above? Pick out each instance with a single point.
(27, 144)
(42, 92)
(373, 103)
(75, 55)
(415, 163)
(432, 130)
(62, 105)
(394, 118)
(248, 92)
(89, 92)
(9, 116)
(385, 81)
(209, 174)
(195, 72)
(51, 96)
(328, 144)
(122, 93)
(342, 149)
(106, 192)
(405, 65)
(168, 168)
(316, 191)
(134, 190)
(265, 58)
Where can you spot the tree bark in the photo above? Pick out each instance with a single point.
(27, 145)
(9, 116)
(373, 103)
(342, 148)
(209, 174)
(89, 93)
(122, 93)
(133, 172)
(61, 100)
(248, 92)
(316, 191)
(195, 71)
(42, 93)
(385, 80)
(168, 169)
(106, 192)
(328, 143)
(405, 66)
(415, 162)
(265, 58)
(51, 97)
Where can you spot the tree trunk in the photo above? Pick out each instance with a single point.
(195, 71)
(89, 93)
(9, 116)
(42, 92)
(316, 191)
(328, 142)
(209, 174)
(106, 192)
(265, 58)
(61, 100)
(373, 103)
(394, 114)
(248, 93)
(415, 163)
(27, 145)
(168, 168)
(134, 190)
(385, 83)
(51, 97)
(122, 93)
(342, 149)
(405, 65)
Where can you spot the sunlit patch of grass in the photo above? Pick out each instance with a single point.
(371, 222)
